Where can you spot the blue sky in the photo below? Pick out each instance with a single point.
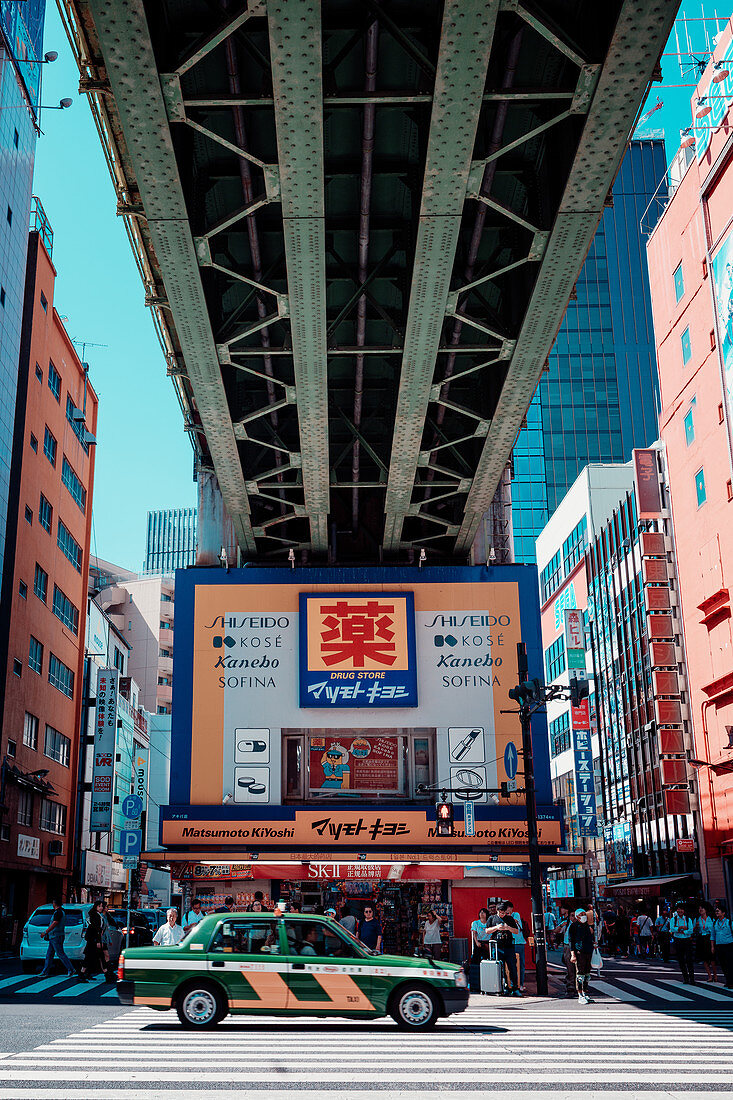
(144, 458)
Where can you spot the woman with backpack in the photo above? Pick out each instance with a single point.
(704, 942)
(723, 942)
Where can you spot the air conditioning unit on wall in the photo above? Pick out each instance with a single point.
(55, 847)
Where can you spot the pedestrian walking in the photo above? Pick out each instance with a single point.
(681, 929)
(431, 933)
(623, 931)
(502, 928)
(567, 958)
(581, 942)
(94, 961)
(348, 921)
(723, 942)
(55, 934)
(370, 930)
(520, 941)
(646, 931)
(170, 934)
(661, 933)
(703, 935)
(196, 914)
(550, 926)
(609, 931)
(227, 906)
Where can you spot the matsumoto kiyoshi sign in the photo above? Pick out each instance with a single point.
(285, 685)
(358, 650)
(349, 828)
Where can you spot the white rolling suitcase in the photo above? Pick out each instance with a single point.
(490, 973)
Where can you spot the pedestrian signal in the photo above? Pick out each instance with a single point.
(444, 818)
(579, 690)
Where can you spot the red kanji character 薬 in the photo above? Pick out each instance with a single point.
(356, 632)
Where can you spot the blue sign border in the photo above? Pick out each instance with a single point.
(405, 678)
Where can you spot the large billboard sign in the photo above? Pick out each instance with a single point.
(323, 686)
(722, 267)
(357, 650)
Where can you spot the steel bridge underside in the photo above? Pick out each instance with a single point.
(359, 223)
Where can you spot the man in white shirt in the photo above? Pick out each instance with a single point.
(193, 916)
(170, 933)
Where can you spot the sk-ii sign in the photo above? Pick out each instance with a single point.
(358, 650)
(585, 788)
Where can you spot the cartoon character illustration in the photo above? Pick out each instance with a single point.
(335, 764)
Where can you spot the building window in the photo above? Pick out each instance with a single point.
(11, 747)
(23, 590)
(45, 514)
(679, 283)
(53, 816)
(165, 653)
(165, 598)
(39, 373)
(71, 548)
(73, 484)
(54, 380)
(686, 346)
(700, 488)
(555, 659)
(2, 296)
(30, 731)
(35, 655)
(60, 676)
(721, 413)
(25, 807)
(560, 734)
(34, 443)
(17, 667)
(573, 548)
(77, 424)
(9, 216)
(551, 576)
(16, 138)
(119, 660)
(689, 428)
(57, 747)
(28, 515)
(49, 446)
(44, 302)
(40, 583)
(65, 610)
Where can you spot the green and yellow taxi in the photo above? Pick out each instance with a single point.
(286, 965)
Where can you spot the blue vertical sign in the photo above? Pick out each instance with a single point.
(585, 786)
(469, 818)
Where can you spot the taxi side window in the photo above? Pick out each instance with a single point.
(317, 939)
(247, 937)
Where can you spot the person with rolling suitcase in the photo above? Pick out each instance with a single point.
(502, 928)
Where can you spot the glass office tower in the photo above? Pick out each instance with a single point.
(21, 37)
(600, 396)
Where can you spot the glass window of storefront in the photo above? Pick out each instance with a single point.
(389, 763)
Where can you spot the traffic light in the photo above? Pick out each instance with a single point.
(444, 818)
(579, 690)
(505, 792)
(530, 691)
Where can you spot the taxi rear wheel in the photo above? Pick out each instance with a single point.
(200, 1005)
(413, 1007)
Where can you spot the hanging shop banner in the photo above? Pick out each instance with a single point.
(574, 638)
(585, 786)
(358, 650)
(356, 764)
(105, 730)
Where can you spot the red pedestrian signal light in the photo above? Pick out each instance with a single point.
(444, 818)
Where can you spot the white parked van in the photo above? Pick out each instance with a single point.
(33, 948)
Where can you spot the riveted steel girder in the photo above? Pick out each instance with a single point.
(128, 54)
(295, 49)
(641, 31)
(465, 47)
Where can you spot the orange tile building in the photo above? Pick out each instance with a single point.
(42, 617)
(691, 268)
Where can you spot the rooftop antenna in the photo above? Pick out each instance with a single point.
(84, 345)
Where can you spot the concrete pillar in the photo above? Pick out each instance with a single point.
(215, 529)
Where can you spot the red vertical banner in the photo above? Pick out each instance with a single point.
(646, 480)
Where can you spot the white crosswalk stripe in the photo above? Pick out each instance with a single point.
(512, 1045)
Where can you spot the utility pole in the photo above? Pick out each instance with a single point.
(535, 875)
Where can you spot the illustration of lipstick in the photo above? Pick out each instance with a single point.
(465, 744)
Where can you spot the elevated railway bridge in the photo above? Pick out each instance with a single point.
(358, 224)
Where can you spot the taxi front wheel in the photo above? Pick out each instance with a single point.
(200, 1006)
(413, 1007)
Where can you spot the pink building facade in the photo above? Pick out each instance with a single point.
(690, 253)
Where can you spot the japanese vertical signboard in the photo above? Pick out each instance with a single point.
(140, 777)
(585, 787)
(646, 482)
(104, 751)
(357, 650)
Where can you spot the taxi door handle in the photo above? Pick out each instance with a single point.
(298, 966)
(217, 963)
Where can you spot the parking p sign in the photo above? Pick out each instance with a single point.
(131, 841)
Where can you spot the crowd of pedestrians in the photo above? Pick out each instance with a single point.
(702, 934)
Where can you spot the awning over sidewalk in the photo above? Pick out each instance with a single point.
(644, 887)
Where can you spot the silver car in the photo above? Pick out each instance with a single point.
(33, 948)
